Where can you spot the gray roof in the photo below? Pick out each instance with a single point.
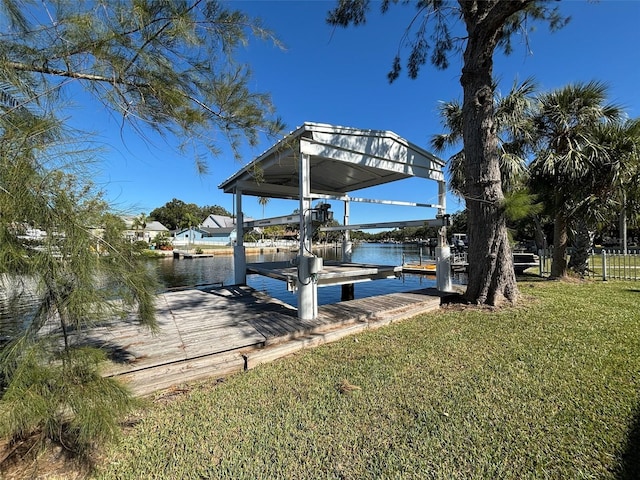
(342, 160)
(221, 221)
(155, 226)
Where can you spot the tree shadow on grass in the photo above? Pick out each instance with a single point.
(630, 461)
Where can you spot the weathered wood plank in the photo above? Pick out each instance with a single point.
(204, 333)
(222, 343)
(258, 357)
(271, 325)
(146, 382)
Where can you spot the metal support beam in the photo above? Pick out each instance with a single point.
(348, 290)
(307, 288)
(400, 203)
(267, 222)
(347, 246)
(443, 250)
(239, 258)
(434, 222)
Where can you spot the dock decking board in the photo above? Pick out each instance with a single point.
(214, 332)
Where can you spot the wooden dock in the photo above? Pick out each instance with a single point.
(214, 332)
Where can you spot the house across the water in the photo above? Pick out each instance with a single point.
(204, 235)
(148, 233)
(214, 230)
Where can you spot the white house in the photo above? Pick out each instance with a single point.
(214, 230)
(152, 229)
(148, 234)
(204, 236)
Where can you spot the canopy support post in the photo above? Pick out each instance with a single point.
(443, 250)
(307, 286)
(239, 257)
(348, 289)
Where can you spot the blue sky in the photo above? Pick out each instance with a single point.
(338, 76)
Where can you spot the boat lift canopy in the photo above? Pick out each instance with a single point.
(320, 161)
(341, 160)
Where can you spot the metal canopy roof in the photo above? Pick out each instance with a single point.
(342, 160)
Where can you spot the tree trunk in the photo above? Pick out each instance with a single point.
(540, 239)
(560, 240)
(623, 225)
(491, 275)
(579, 261)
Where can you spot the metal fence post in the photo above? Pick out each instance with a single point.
(541, 262)
(604, 265)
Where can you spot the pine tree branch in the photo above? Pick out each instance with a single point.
(23, 67)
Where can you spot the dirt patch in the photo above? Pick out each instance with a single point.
(28, 460)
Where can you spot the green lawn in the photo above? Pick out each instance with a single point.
(548, 389)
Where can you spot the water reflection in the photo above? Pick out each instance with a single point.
(192, 272)
(189, 272)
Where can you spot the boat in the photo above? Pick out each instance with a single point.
(521, 261)
(426, 268)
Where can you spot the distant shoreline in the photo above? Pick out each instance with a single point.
(228, 250)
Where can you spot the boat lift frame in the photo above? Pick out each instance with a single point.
(342, 159)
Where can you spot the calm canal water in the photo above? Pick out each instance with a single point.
(219, 269)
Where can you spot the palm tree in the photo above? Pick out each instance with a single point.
(613, 187)
(625, 147)
(615, 184)
(263, 201)
(140, 223)
(568, 157)
(512, 118)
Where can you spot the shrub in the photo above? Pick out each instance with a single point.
(140, 245)
(162, 241)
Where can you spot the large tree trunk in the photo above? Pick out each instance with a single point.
(491, 275)
(583, 239)
(560, 241)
